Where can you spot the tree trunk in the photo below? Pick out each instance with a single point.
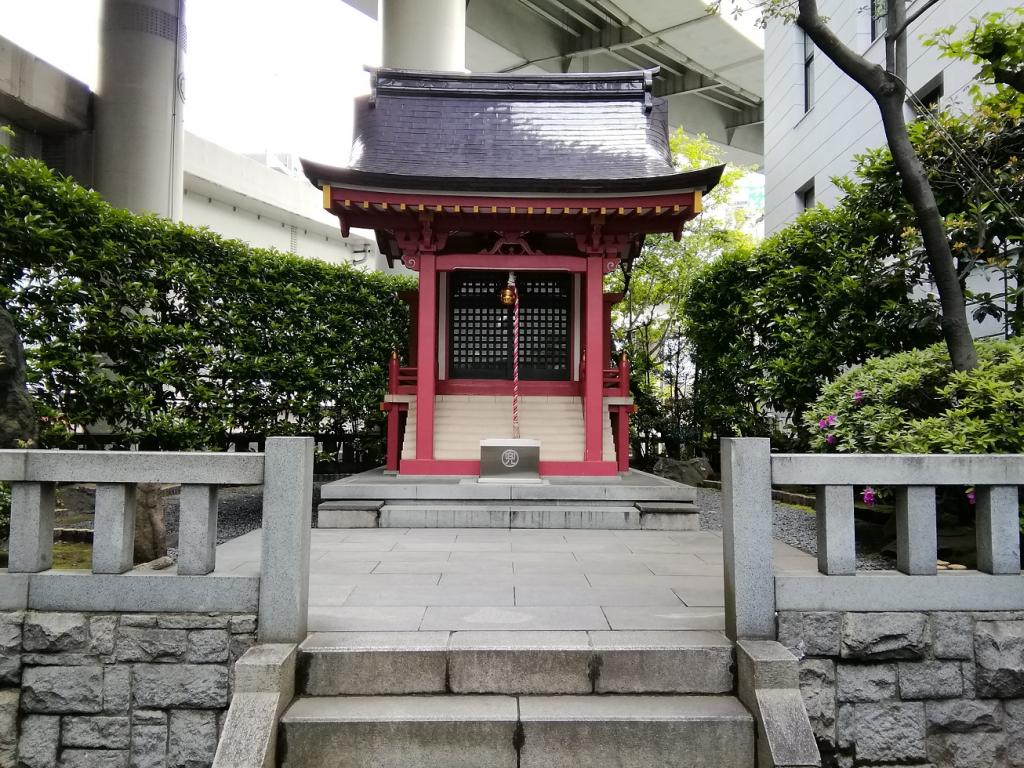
(150, 531)
(955, 327)
(888, 89)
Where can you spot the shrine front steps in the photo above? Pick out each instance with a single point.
(461, 422)
(593, 515)
(516, 699)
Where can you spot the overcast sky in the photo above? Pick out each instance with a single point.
(260, 74)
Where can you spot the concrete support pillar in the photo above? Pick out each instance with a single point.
(31, 541)
(837, 555)
(997, 521)
(113, 546)
(916, 531)
(197, 530)
(747, 538)
(140, 136)
(424, 35)
(287, 515)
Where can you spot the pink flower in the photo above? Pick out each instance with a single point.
(972, 497)
(823, 424)
(868, 495)
(831, 419)
(830, 439)
(858, 396)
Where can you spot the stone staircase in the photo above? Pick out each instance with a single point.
(462, 421)
(516, 700)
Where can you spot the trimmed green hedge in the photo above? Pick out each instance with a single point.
(176, 336)
(914, 402)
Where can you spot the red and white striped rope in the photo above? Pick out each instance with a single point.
(515, 363)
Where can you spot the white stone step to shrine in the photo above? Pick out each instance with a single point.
(461, 422)
(517, 732)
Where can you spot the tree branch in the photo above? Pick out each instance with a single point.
(911, 19)
(869, 76)
(1008, 77)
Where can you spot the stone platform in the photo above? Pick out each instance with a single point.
(632, 500)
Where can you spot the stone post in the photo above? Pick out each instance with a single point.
(197, 530)
(917, 538)
(747, 538)
(997, 529)
(113, 547)
(836, 551)
(287, 516)
(31, 539)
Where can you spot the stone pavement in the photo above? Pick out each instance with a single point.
(430, 579)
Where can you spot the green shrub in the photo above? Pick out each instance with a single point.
(913, 402)
(177, 337)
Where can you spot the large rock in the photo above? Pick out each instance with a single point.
(192, 741)
(1015, 732)
(999, 659)
(55, 632)
(143, 644)
(8, 728)
(963, 716)
(885, 733)
(94, 758)
(10, 648)
(149, 746)
(96, 732)
(931, 680)
(866, 682)
(689, 472)
(818, 689)
(952, 636)
(37, 745)
(811, 633)
(884, 635)
(18, 423)
(116, 689)
(64, 690)
(207, 646)
(967, 750)
(162, 686)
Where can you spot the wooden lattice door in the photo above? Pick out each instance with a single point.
(480, 328)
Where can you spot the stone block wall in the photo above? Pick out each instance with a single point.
(930, 688)
(104, 690)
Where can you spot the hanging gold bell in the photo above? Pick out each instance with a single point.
(508, 295)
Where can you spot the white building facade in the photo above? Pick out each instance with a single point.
(817, 119)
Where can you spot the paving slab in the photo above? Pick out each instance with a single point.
(632, 617)
(515, 618)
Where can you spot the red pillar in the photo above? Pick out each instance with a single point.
(393, 448)
(593, 341)
(426, 361)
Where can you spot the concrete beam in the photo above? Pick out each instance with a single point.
(891, 591)
(897, 469)
(37, 466)
(39, 96)
(142, 593)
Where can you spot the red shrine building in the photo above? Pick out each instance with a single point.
(512, 197)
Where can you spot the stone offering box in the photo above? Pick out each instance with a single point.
(510, 460)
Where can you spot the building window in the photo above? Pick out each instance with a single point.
(808, 72)
(805, 196)
(928, 99)
(879, 18)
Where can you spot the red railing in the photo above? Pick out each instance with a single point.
(400, 380)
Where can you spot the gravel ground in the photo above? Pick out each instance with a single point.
(791, 525)
(240, 510)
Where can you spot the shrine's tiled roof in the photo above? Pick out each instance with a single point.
(571, 133)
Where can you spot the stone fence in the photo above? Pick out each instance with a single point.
(280, 591)
(911, 666)
(130, 666)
